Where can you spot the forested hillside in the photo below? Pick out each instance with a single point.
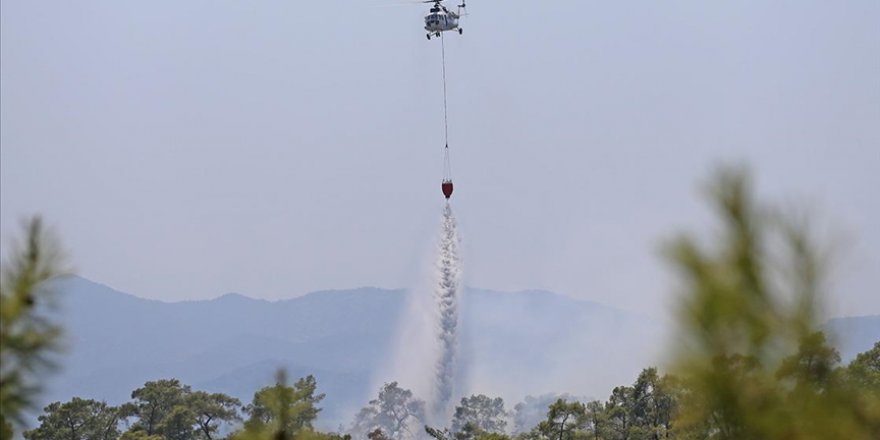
(234, 344)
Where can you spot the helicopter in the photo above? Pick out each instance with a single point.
(440, 19)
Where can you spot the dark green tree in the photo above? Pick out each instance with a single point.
(377, 434)
(532, 410)
(155, 402)
(813, 365)
(210, 410)
(468, 432)
(482, 413)
(564, 420)
(139, 435)
(396, 412)
(78, 419)
(179, 423)
(862, 378)
(437, 434)
(283, 412)
(27, 338)
(595, 420)
(619, 410)
(667, 395)
(864, 370)
(653, 405)
(491, 436)
(298, 404)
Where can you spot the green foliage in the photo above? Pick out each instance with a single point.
(78, 419)
(469, 431)
(378, 434)
(532, 410)
(644, 411)
(654, 403)
(178, 423)
(296, 405)
(26, 338)
(310, 434)
(282, 412)
(433, 432)
(395, 412)
(155, 403)
(491, 436)
(813, 365)
(476, 417)
(595, 420)
(619, 412)
(209, 410)
(169, 410)
(480, 413)
(563, 422)
(862, 376)
(138, 435)
(864, 371)
(747, 302)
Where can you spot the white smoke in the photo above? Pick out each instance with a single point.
(427, 340)
(446, 291)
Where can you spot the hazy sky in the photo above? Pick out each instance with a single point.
(185, 149)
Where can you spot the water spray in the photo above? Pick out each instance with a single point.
(446, 291)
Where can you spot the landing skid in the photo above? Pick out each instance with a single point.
(437, 34)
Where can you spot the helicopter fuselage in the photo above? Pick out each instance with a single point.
(441, 21)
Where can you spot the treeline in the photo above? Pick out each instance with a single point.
(658, 407)
(749, 362)
(169, 410)
(654, 407)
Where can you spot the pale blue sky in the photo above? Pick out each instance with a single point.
(184, 149)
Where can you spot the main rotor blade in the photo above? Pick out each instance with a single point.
(410, 2)
(407, 3)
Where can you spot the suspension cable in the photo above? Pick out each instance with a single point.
(447, 169)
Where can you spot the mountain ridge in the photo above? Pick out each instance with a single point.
(347, 338)
(232, 295)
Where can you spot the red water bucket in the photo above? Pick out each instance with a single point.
(446, 186)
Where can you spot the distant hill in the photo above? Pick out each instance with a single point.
(234, 344)
(511, 344)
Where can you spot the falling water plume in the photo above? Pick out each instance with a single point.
(448, 277)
